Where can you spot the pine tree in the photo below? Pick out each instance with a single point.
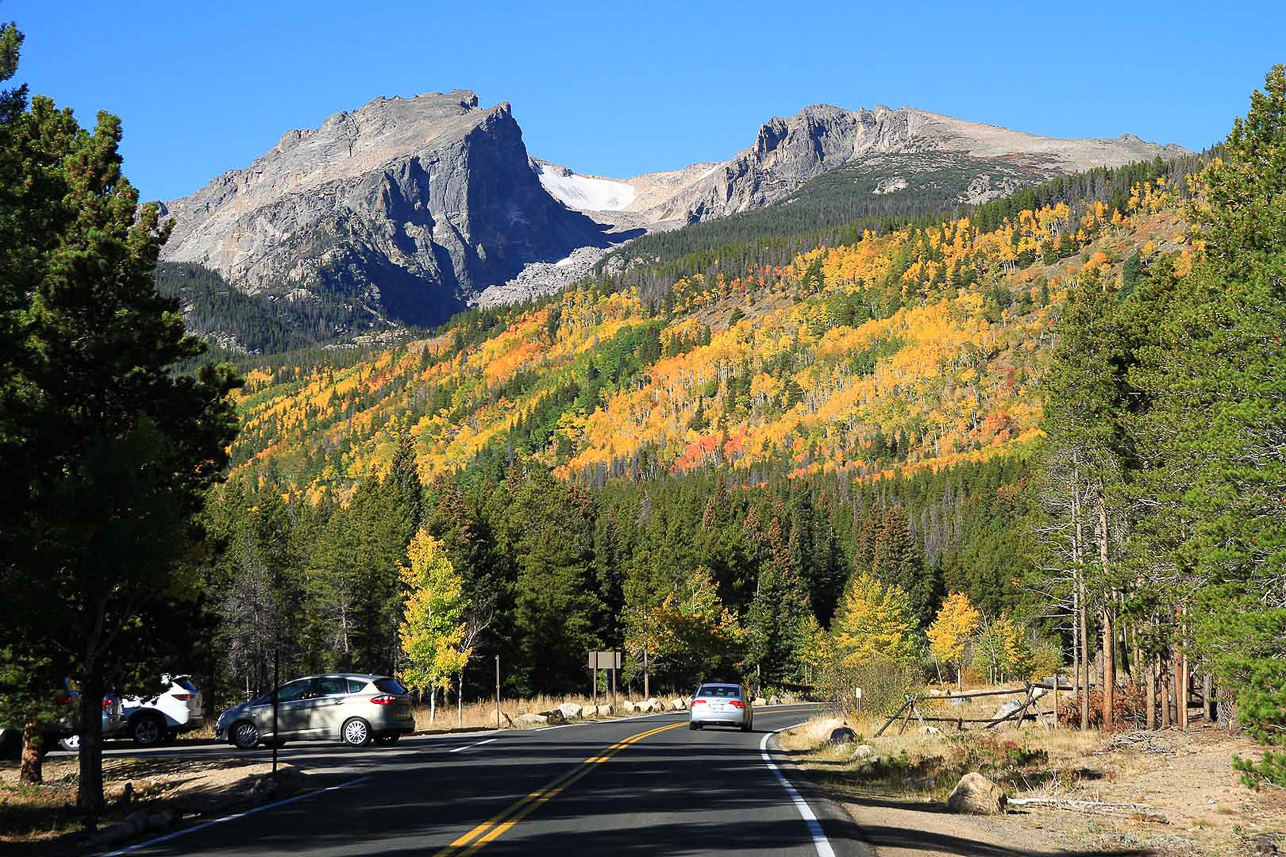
(1217, 380)
(107, 452)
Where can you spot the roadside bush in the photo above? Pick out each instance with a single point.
(885, 685)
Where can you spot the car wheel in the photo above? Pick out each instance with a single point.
(746, 727)
(356, 732)
(147, 731)
(388, 739)
(71, 743)
(245, 735)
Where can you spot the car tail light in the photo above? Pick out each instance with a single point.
(698, 702)
(183, 696)
(737, 703)
(384, 699)
(108, 703)
(68, 699)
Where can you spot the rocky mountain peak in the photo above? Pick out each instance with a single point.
(412, 204)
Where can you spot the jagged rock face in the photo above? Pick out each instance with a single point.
(406, 208)
(788, 152)
(821, 138)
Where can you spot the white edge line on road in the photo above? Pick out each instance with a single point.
(467, 746)
(814, 826)
(213, 822)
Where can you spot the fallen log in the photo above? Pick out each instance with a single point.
(1136, 810)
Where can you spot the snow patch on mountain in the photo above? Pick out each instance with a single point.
(584, 193)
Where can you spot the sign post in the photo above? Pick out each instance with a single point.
(857, 692)
(605, 661)
(497, 691)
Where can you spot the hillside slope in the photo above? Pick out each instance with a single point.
(913, 349)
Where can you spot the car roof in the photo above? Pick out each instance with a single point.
(364, 676)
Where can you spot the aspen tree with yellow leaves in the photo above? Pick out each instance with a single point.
(955, 624)
(874, 619)
(433, 623)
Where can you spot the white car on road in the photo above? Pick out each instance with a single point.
(174, 708)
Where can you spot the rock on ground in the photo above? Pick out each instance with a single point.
(572, 710)
(977, 795)
(526, 721)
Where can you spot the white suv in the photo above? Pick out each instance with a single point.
(175, 708)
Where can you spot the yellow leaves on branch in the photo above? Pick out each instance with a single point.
(956, 622)
(433, 626)
(874, 618)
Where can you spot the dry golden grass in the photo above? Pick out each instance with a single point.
(482, 714)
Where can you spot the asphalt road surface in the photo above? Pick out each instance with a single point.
(645, 785)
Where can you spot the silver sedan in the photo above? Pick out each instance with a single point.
(719, 704)
(351, 707)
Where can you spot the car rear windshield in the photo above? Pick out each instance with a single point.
(186, 683)
(390, 685)
(720, 690)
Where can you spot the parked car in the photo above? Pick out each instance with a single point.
(348, 707)
(67, 730)
(718, 704)
(174, 708)
(63, 731)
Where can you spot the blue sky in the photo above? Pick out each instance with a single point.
(623, 88)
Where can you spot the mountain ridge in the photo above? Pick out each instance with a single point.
(407, 210)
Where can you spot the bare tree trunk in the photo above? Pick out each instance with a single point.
(433, 703)
(1109, 630)
(646, 685)
(1109, 670)
(33, 742)
(1076, 641)
(1166, 680)
(459, 700)
(1152, 697)
(1180, 702)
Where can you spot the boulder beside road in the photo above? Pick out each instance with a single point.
(572, 710)
(530, 720)
(842, 735)
(977, 795)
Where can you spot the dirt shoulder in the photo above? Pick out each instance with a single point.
(145, 796)
(1195, 803)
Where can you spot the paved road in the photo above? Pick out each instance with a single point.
(646, 785)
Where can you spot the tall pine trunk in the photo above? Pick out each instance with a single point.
(1078, 560)
(1151, 690)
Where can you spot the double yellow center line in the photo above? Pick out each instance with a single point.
(496, 826)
